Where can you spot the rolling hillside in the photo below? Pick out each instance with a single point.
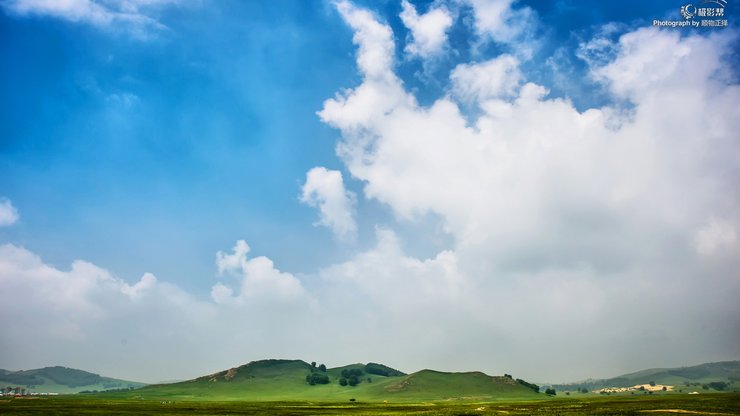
(435, 385)
(696, 376)
(61, 380)
(281, 380)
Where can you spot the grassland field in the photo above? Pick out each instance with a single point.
(703, 404)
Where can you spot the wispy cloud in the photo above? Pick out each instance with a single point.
(501, 21)
(129, 16)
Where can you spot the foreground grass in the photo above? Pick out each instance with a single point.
(706, 404)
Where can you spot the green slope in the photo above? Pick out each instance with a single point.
(285, 380)
(61, 380)
(698, 375)
(428, 385)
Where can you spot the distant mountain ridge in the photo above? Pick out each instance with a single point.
(59, 379)
(717, 372)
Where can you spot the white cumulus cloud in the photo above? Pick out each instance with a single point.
(428, 31)
(90, 316)
(324, 189)
(8, 213)
(495, 78)
(560, 208)
(375, 40)
(86, 317)
(259, 279)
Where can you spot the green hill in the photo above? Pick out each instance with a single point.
(290, 380)
(714, 375)
(61, 380)
(428, 385)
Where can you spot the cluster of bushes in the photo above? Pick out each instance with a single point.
(350, 377)
(318, 375)
(717, 385)
(317, 378)
(535, 388)
(108, 390)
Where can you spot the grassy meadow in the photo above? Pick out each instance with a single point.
(705, 404)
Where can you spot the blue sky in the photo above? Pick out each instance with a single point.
(514, 146)
(196, 128)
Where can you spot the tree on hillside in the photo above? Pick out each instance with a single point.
(718, 385)
(313, 364)
(347, 373)
(382, 370)
(550, 392)
(532, 386)
(317, 378)
(351, 377)
(322, 368)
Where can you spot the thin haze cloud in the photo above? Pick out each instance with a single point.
(128, 16)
